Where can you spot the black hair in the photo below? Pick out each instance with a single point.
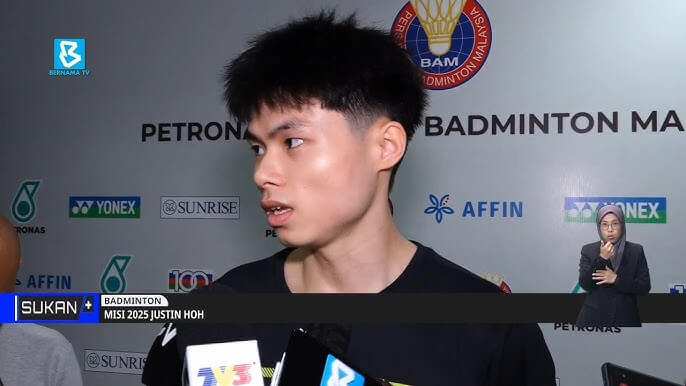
(360, 72)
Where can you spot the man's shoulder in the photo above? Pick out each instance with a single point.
(265, 274)
(438, 274)
(35, 334)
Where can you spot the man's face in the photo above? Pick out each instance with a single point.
(314, 170)
(610, 228)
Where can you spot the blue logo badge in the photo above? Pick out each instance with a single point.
(337, 373)
(70, 54)
(69, 57)
(439, 207)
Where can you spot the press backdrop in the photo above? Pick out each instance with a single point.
(539, 112)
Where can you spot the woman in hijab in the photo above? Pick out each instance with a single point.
(613, 271)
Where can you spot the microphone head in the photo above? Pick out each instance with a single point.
(332, 335)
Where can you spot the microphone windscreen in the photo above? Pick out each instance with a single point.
(333, 335)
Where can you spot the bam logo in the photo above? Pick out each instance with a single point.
(104, 207)
(651, 210)
(449, 40)
(226, 375)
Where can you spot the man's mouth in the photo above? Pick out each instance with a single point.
(278, 210)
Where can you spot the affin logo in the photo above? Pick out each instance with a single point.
(104, 207)
(69, 57)
(337, 373)
(652, 210)
(113, 280)
(439, 207)
(23, 205)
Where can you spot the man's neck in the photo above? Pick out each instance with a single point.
(366, 260)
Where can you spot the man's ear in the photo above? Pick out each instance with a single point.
(392, 142)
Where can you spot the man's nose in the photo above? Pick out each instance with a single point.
(268, 170)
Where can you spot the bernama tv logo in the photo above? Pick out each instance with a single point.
(449, 40)
(69, 57)
(652, 210)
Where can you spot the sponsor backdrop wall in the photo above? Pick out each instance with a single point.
(123, 172)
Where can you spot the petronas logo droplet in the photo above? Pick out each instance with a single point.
(577, 289)
(113, 280)
(23, 206)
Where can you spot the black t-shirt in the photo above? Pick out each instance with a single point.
(411, 354)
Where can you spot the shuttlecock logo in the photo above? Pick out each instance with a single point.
(438, 19)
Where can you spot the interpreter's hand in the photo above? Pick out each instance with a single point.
(605, 276)
(607, 249)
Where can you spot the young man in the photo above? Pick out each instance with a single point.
(329, 128)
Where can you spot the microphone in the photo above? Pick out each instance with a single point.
(334, 336)
(223, 364)
(308, 361)
(219, 364)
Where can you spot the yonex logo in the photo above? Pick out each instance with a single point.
(104, 207)
(636, 209)
(81, 207)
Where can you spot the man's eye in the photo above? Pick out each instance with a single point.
(257, 149)
(294, 142)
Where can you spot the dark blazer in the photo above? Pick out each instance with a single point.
(613, 304)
